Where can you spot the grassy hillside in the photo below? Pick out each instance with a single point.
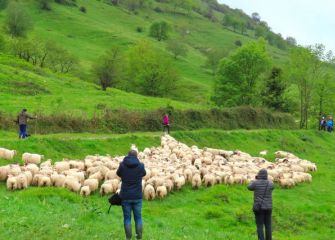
(305, 212)
(88, 35)
(41, 91)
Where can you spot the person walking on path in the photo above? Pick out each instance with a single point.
(166, 123)
(330, 124)
(262, 207)
(22, 121)
(131, 171)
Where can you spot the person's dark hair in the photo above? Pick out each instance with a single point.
(132, 153)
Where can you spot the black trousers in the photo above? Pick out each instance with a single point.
(263, 217)
(165, 126)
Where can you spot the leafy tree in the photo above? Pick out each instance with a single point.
(159, 30)
(177, 47)
(150, 72)
(213, 59)
(260, 31)
(273, 92)
(291, 40)
(17, 22)
(108, 68)
(256, 17)
(3, 4)
(238, 74)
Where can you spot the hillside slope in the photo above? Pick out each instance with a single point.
(305, 212)
(88, 35)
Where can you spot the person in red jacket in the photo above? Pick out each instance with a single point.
(166, 123)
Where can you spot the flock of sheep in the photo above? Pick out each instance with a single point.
(169, 167)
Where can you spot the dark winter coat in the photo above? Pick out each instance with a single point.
(259, 186)
(131, 172)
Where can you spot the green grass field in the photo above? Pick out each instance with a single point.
(306, 212)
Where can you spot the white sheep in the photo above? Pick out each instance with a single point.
(196, 181)
(7, 154)
(149, 192)
(85, 191)
(93, 184)
(72, 184)
(161, 192)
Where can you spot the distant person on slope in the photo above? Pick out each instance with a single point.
(22, 120)
(323, 124)
(131, 171)
(262, 207)
(166, 123)
(330, 124)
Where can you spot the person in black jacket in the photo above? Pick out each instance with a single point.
(262, 207)
(131, 171)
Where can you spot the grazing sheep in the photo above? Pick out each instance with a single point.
(106, 187)
(92, 183)
(209, 180)
(161, 192)
(85, 191)
(33, 168)
(44, 181)
(62, 166)
(7, 154)
(149, 192)
(180, 182)
(196, 181)
(57, 180)
(4, 171)
(32, 158)
(72, 184)
(11, 183)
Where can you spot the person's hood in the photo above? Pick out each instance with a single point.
(131, 161)
(262, 174)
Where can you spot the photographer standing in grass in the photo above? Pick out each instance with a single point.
(22, 121)
(131, 171)
(262, 207)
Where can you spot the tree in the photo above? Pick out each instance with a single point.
(213, 59)
(159, 30)
(17, 21)
(273, 92)
(291, 40)
(3, 4)
(150, 72)
(177, 48)
(2, 43)
(256, 17)
(108, 68)
(238, 74)
(260, 31)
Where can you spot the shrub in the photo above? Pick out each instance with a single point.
(238, 43)
(83, 9)
(158, 10)
(139, 29)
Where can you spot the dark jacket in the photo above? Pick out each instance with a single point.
(23, 117)
(259, 186)
(131, 172)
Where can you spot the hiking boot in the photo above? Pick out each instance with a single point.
(127, 230)
(139, 230)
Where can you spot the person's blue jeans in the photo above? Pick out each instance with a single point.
(134, 206)
(23, 131)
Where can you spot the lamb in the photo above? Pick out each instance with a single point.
(32, 158)
(85, 191)
(7, 154)
(44, 181)
(161, 192)
(92, 183)
(196, 181)
(149, 192)
(21, 181)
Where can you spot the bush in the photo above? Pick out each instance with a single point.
(83, 9)
(139, 29)
(238, 43)
(158, 10)
(121, 121)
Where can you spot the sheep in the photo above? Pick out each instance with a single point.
(180, 182)
(57, 180)
(92, 183)
(72, 184)
(4, 171)
(149, 192)
(33, 168)
(44, 181)
(11, 183)
(106, 187)
(62, 166)
(85, 191)
(32, 158)
(196, 181)
(111, 174)
(97, 176)
(188, 175)
(169, 185)
(209, 180)
(7, 154)
(46, 164)
(161, 192)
